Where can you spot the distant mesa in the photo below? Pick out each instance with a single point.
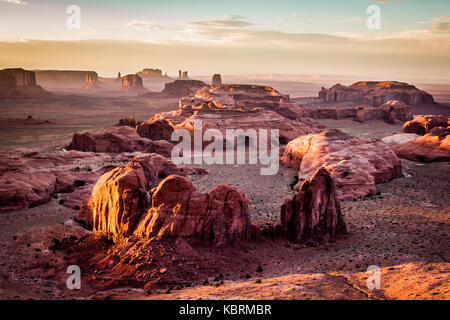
(132, 83)
(63, 79)
(216, 80)
(376, 93)
(19, 83)
(92, 83)
(177, 89)
(152, 74)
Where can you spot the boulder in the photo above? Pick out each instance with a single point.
(355, 164)
(432, 147)
(422, 124)
(118, 139)
(314, 212)
(376, 93)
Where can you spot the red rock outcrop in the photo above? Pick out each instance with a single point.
(355, 164)
(314, 213)
(118, 139)
(123, 204)
(132, 83)
(155, 129)
(423, 124)
(376, 93)
(391, 112)
(29, 178)
(432, 147)
(19, 83)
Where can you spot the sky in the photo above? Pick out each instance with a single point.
(313, 38)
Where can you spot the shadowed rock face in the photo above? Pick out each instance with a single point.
(355, 164)
(19, 83)
(118, 139)
(423, 124)
(181, 88)
(314, 213)
(432, 147)
(123, 204)
(376, 93)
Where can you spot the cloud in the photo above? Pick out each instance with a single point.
(230, 21)
(145, 25)
(15, 1)
(440, 25)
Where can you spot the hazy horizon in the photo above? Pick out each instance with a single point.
(317, 39)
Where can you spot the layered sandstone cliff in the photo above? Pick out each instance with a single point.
(376, 93)
(19, 83)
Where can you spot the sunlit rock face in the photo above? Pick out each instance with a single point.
(132, 201)
(376, 93)
(355, 164)
(63, 79)
(118, 139)
(432, 147)
(423, 124)
(244, 107)
(314, 212)
(19, 83)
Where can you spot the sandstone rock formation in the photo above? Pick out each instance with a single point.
(392, 111)
(376, 93)
(216, 80)
(123, 204)
(355, 164)
(29, 178)
(155, 129)
(423, 124)
(151, 73)
(181, 88)
(19, 83)
(118, 139)
(132, 83)
(314, 213)
(92, 83)
(432, 147)
(63, 79)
